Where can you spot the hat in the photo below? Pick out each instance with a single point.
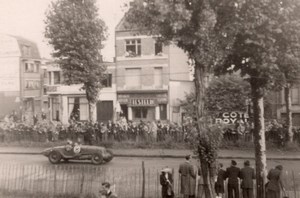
(166, 170)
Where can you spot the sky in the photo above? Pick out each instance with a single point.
(26, 18)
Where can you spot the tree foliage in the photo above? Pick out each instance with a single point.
(224, 93)
(76, 33)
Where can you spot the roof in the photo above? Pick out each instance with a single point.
(35, 54)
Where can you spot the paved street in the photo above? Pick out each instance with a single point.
(134, 162)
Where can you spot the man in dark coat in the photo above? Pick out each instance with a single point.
(232, 174)
(274, 186)
(247, 175)
(166, 182)
(188, 178)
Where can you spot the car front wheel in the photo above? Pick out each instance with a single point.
(54, 157)
(97, 159)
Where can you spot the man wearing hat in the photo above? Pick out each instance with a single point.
(232, 174)
(275, 185)
(166, 181)
(247, 175)
(106, 191)
(188, 178)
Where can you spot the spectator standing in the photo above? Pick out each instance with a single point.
(106, 191)
(274, 185)
(247, 175)
(166, 182)
(232, 174)
(200, 192)
(187, 176)
(219, 185)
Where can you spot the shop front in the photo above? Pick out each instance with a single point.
(144, 106)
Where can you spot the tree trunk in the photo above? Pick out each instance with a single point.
(288, 105)
(259, 137)
(92, 112)
(205, 166)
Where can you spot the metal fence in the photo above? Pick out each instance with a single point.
(86, 179)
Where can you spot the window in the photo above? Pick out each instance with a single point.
(140, 112)
(32, 84)
(107, 82)
(36, 68)
(56, 77)
(55, 109)
(32, 68)
(133, 77)
(45, 73)
(78, 108)
(50, 78)
(163, 111)
(158, 77)
(45, 91)
(26, 50)
(158, 48)
(133, 48)
(295, 95)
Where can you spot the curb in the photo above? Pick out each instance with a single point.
(164, 156)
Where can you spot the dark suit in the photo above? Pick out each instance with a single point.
(274, 185)
(247, 175)
(232, 174)
(165, 185)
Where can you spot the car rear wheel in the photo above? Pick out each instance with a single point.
(54, 157)
(97, 158)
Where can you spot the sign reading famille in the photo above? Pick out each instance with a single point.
(142, 102)
(232, 117)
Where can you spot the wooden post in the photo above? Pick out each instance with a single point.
(82, 181)
(54, 180)
(294, 184)
(143, 177)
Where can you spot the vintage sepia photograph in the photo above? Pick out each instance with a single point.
(149, 98)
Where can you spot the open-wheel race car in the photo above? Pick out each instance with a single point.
(96, 154)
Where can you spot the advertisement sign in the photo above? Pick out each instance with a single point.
(232, 117)
(142, 102)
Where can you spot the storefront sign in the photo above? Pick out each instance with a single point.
(232, 117)
(142, 102)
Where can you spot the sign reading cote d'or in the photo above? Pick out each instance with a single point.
(142, 102)
(232, 117)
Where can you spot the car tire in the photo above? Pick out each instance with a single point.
(54, 157)
(97, 158)
(111, 155)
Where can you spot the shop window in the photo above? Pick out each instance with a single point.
(56, 77)
(163, 111)
(133, 77)
(107, 82)
(133, 48)
(78, 108)
(158, 77)
(158, 48)
(140, 112)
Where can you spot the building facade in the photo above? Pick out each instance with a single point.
(69, 101)
(20, 77)
(145, 72)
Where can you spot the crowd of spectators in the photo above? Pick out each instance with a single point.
(122, 130)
